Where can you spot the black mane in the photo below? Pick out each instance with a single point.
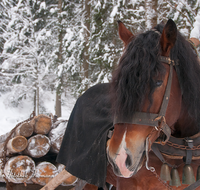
(140, 64)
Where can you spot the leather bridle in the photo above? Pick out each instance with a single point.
(155, 120)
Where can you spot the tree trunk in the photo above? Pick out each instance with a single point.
(151, 13)
(86, 48)
(155, 13)
(14, 145)
(38, 146)
(38, 101)
(19, 169)
(59, 88)
(44, 172)
(58, 104)
(41, 124)
(35, 101)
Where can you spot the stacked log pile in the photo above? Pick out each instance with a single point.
(28, 153)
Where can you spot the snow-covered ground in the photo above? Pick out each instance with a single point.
(10, 116)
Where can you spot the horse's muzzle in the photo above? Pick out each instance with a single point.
(123, 163)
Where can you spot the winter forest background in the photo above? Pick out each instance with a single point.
(57, 48)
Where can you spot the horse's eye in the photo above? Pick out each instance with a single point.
(159, 83)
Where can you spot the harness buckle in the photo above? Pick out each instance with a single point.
(189, 142)
(156, 128)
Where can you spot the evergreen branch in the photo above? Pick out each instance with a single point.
(180, 13)
(188, 8)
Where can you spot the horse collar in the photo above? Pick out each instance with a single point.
(187, 149)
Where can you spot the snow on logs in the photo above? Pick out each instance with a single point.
(31, 150)
(44, 172)
(38, 146)
(14, 145)
(19, 169)
(56, 135)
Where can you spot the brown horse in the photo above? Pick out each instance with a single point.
(154, 95)
(139, 86)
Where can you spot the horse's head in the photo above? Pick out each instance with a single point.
(142, 105)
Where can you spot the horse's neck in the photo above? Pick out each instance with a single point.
(185, 125)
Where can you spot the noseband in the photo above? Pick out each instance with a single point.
(155, 120)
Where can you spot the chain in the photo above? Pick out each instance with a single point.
(182, 147)
(3, 159)
(161, 181)
(152, 169)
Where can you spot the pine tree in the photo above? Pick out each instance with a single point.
(26, 41)
(184, 13)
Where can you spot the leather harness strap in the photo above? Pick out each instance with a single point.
(157, 152)
(193, 186)
(176, 148)
(189, 143)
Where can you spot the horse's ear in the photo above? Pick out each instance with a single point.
(124, 34)
(168, 37)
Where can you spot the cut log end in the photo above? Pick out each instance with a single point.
(19, 169)
(17, 144)
(26, 130)
(42, 124)
(38, 146)
(44, 172)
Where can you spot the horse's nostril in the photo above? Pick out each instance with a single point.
(128, 161)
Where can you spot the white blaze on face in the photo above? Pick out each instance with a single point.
(121, 159)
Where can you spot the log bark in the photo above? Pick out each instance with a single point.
(14, 145)
(57, 180)
(25, 129)
(44, 172)
(56, 135)
(41, 124)
(69, 181)
(38, 146)
(19, 169)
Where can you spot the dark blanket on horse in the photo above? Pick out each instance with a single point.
(83, 149)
